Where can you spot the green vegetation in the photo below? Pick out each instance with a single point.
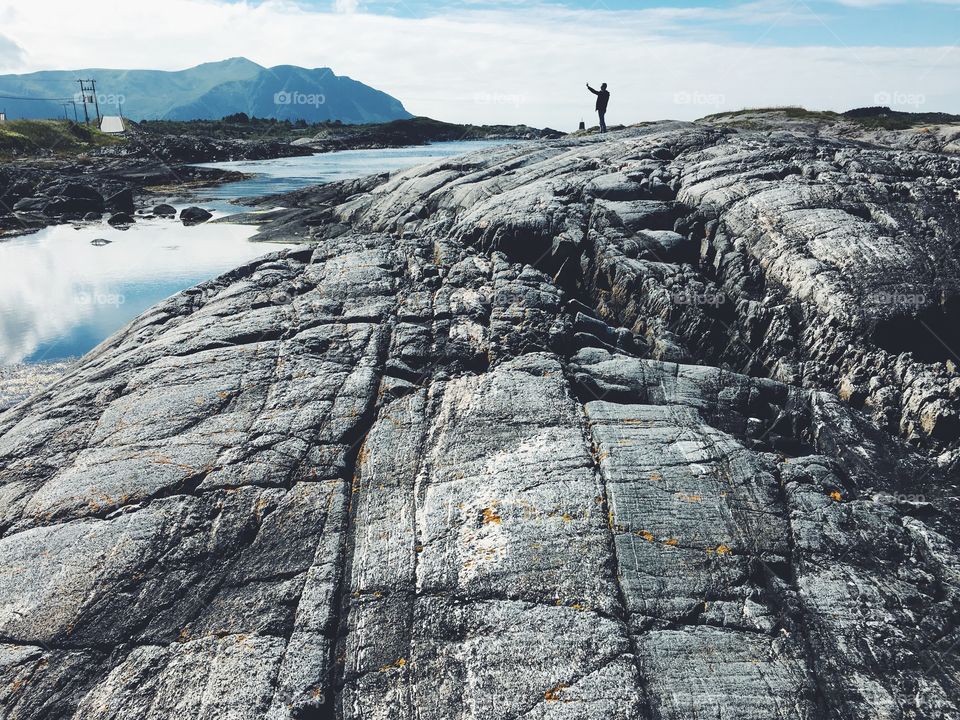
(399, 132)
(20, 138)
(232, 127)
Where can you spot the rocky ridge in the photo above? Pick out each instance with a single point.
(635, 426)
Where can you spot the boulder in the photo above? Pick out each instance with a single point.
(194, 215)
(120, 219)
(121, 202)
(77, 191)
(165, 211)
(72, 206)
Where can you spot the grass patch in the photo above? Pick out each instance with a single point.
(22, 138)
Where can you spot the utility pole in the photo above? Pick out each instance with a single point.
(83, 98)
(96, 102)
(92, 98)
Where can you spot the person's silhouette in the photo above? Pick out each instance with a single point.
(603, 97)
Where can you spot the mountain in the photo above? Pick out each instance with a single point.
(205, 92)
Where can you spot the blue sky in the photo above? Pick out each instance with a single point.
(889, 23)
(506, 61)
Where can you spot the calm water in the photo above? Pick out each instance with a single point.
(286, 174)
(61, 295)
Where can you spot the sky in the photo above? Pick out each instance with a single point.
(508, 61)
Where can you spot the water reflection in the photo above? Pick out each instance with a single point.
(63, 290)
(61, 293)
(286, 174)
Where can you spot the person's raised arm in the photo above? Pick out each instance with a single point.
(595, 92)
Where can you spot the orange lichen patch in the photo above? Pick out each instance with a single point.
(223, 394)
(17, 685)
(490, 517)
(184, 634)
(553, 694)
(399, 664)
(689, 498)
(646, 535)
(723, 550)
(566, 517)
(364, 455)
(672, 542)
(262, 504)
(836, 495)
(656, 477)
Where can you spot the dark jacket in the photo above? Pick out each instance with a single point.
(603, 97)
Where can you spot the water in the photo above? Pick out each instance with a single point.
(286, 174)
(60, 295)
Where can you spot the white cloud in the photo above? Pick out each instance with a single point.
(496, 66)
(346, 6)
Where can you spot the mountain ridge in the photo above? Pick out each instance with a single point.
(207, 91)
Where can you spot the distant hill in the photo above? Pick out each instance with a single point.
(205, 92)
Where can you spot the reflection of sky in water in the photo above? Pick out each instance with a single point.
(285, 174)
(60, 296)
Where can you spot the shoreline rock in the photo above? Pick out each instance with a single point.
(498, 443)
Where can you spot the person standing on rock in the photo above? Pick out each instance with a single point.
(603, 97)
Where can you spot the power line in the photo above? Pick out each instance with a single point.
(44, 99)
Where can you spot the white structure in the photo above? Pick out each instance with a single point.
(112, 124)
(3, 117)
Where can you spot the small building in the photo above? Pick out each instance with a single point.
(3, 117)
(112, 124)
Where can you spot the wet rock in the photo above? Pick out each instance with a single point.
(121, 202)
(165, 211)
(72, 206)
(120, 219)
(194, 215)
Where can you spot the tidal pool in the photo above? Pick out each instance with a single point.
(63, 291)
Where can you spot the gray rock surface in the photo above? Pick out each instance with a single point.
(491, 446)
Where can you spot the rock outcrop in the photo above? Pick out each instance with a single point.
(35, 194)
(595, 428)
